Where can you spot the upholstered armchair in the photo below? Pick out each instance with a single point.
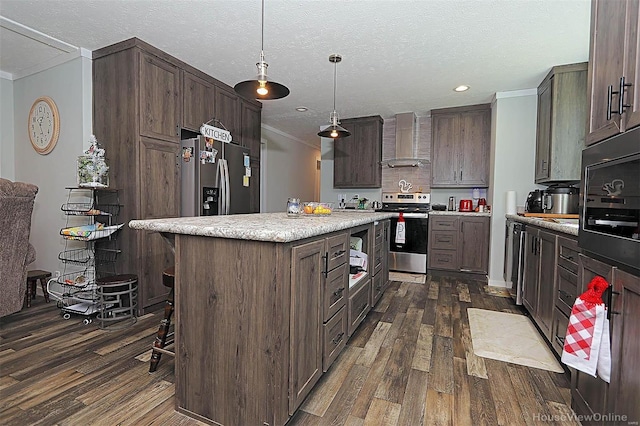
(16, 253)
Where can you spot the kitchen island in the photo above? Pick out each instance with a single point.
(263, 305)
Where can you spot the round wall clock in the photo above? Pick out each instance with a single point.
(44, 125)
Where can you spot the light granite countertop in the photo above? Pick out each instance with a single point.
(275, 227)
(567, 226)
(456, 213)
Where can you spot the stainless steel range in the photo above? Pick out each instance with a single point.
(410, 256)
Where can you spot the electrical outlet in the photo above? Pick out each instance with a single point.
(56, 274)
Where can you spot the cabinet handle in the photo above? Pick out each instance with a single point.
(609, 303)
(326, 265)
(560, 340)
(462, 227)
(339, 253)
(460, 175)
(338, 338)
(338, 292)
(564, 294)
(621, 105)
(566, 257)
(454, 176)
(178, 129)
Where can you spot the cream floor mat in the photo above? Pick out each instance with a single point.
(510, 338)
(407, 278)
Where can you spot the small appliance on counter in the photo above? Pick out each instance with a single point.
(560, 199)
(466, 206)
(534, 202)
(452, 204)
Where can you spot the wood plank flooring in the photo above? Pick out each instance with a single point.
(409, 363)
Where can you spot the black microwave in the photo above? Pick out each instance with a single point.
(610, 199)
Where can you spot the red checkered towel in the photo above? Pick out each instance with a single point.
(587, 345)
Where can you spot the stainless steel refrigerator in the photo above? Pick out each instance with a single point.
(213, 178)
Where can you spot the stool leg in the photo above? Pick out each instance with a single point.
(43, 284)
(163, 330)
(31, 285)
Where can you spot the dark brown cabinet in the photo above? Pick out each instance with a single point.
(250, 132)
(613, 63)
(567, 289)
(460, 143)
(357, 158)
(589, 394)
(459, 243)
(142, 97)
(539, 287)
(380, 278)
(307, 262)
(160, 101)
(198, 101)
(625, 347)
(562, 111)
(227, 110)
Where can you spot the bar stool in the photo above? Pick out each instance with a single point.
(117, 295)
(160, 345)
(32, 283)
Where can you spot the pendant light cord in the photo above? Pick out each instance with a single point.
(262, 38)
(335, 73)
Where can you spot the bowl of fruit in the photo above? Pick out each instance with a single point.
(313, 208)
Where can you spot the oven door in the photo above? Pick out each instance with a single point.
(609, 223)
(412, 255)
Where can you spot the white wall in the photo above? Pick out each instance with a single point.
(288, 169)
(69, 85)
(512, 165)
(7, 149)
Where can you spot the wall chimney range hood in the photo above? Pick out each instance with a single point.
(406, 142)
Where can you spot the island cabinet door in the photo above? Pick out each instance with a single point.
(307, 263)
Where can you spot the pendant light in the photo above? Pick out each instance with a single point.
(334, 130)
(261, 88)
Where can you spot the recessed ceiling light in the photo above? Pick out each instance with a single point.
(461, 88)
(301, 109)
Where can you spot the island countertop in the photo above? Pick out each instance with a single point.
(274, 227)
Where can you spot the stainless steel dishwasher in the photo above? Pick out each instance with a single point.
(517, 260)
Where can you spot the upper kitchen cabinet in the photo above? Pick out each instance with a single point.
(198, 98)
(250, 132)
(460, 146)
(227, 110)
(357, 158)
(613, 76)
(562, 111)
(159, 98)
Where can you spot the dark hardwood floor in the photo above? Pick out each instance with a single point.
(410, 363)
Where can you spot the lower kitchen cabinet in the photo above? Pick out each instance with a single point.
(359, 303)
(334, 337)
(625, 347)
(589, 394)
(459, 243)
(539, 287)
(307, 262)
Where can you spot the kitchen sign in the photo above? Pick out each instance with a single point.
(215, 133)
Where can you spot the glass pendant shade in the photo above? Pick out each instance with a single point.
(334, 130)
(261, 88)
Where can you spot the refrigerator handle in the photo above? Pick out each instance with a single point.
(220, 183)
(227, 189)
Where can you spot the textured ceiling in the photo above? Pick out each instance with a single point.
(398, 56)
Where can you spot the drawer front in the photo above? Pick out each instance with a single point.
(335, 290)
(335, 338)
(443, 223)
(443, 259)
(377, 288)
(559, 331)
(377, 260)
(568, 254)
(567, 290)
(378, 234)
(444, 240)
(359, 305)
(338, 250)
